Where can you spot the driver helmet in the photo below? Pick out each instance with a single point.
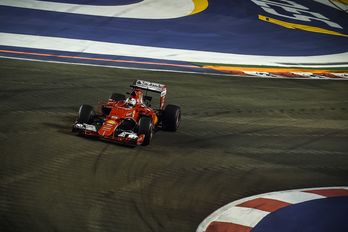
(131, 102)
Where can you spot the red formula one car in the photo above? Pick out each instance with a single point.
(131, 121)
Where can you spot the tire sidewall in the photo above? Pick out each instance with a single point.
(146, 128)
(86, 114)
(172, 117)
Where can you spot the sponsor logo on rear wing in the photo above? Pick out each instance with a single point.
(150, 86)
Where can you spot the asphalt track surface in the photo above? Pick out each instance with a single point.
(239, 137)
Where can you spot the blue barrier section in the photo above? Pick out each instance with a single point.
(229, 26)
(327, 214)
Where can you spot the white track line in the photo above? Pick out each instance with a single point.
(117, 49)
(146, 9)
(243, 216)
(293, 197)
(118, 67)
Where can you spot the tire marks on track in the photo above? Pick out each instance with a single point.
(230, 145)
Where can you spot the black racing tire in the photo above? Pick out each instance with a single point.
(171, 117)
(117, 97)
(146, 128)
(86, 114)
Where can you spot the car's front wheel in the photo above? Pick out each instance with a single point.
(146, 128)
(86, 114)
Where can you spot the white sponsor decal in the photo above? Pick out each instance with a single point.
(150, 86)
(337, 4)
(163, 93)
(91, 128)
(79, 126)
(295, 11)
(85, 126)
(127, 134)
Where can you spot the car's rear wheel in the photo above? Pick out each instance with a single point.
(86, 114)
(171, 117)
(117, 97)
(146, 128)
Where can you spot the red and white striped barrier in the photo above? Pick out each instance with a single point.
(243, 215)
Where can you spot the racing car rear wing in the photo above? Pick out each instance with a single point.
(153, 87)
(150, 86)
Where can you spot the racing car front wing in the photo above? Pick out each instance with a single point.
(124, 137)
